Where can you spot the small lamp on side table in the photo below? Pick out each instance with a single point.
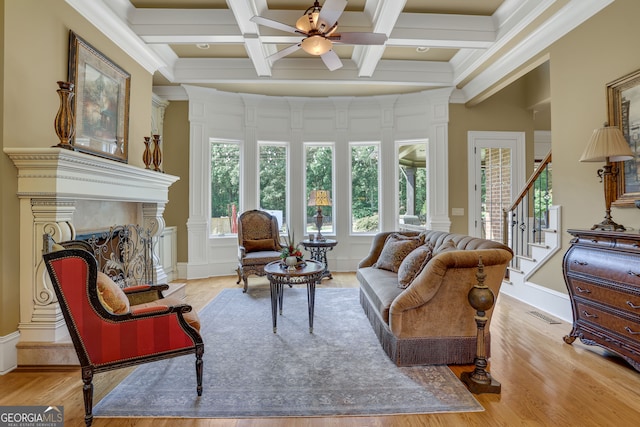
(607, 144)
(319, 198)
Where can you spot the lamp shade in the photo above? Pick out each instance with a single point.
(607, 144)
(319, 198)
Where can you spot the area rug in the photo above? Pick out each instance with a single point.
(339, 369)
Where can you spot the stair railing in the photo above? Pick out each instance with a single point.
(527, 217)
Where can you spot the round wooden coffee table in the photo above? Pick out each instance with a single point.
(310, 273)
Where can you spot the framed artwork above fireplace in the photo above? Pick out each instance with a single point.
(623, 105)
(101, 102)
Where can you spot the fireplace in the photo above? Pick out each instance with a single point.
(63, 193)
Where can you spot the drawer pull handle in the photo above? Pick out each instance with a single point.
(632, 305)
(628, 329)
(595, 316)
(580, 262)
(582, 291)
(631, 273)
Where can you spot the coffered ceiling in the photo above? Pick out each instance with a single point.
(472, 45)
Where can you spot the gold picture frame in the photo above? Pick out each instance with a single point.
(101, 102)
(623, 105)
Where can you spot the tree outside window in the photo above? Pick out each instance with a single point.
(225, 187)
(364, 188)
(319, 176)
(273, 180)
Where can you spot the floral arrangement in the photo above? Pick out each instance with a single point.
(290, 248)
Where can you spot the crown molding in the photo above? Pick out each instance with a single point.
(569, 17)
(112, 25)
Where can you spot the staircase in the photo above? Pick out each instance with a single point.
(525, 264)
(532, 231)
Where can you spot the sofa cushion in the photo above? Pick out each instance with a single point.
(381, 287)
(112, 298)
(413, 264)
(447, 246)
(395, 250)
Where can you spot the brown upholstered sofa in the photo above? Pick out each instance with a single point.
(431, 320)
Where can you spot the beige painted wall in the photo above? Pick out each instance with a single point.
(9, 233)
(176, 162)
(505, 111)
(582, 63)
(35, 55)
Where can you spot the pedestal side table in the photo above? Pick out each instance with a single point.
(318, 250)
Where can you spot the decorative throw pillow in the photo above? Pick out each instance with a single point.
(447, 246)
(259, 245)
(111, 296)
(395, 249)
(413, 264)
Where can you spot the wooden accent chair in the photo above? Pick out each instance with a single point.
(258, 243)
(104, 340)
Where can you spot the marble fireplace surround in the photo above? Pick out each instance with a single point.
(62, 192)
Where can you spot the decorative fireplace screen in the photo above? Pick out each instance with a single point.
(124, 253)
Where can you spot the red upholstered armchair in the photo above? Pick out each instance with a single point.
(103, 340)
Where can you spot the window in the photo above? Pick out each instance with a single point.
(273, 166)
(364, 187)
(319, 177)
(412, 184)
(225, 186)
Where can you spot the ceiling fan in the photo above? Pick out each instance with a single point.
(319, 25)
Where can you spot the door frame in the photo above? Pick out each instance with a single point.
(492, 139)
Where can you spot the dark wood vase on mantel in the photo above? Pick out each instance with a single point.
(146, 156)
(64, 123)
(157, 153)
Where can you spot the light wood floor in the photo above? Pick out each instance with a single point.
(545, 382)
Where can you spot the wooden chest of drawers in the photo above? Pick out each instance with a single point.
(602, 273)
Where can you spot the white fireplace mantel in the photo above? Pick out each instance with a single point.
(51, 183)
(46, 172)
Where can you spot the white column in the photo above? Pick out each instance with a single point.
(438, 162)
(199, 194)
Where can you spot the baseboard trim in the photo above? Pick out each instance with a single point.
(47, 368)
(9, 352)
(545, 299)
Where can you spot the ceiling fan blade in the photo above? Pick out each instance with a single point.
(330, 12)
(275, 24)
(331, 60)
(284, 52)
(359, 38)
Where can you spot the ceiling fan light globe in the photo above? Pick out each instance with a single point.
(316, 45)
(307, 22)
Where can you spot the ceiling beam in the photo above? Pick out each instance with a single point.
(194, 26)
(312, 70)
(242, 12)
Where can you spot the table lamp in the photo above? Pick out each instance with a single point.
(319, 198)
(607, 144)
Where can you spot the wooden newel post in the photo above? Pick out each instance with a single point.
(481, 299)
